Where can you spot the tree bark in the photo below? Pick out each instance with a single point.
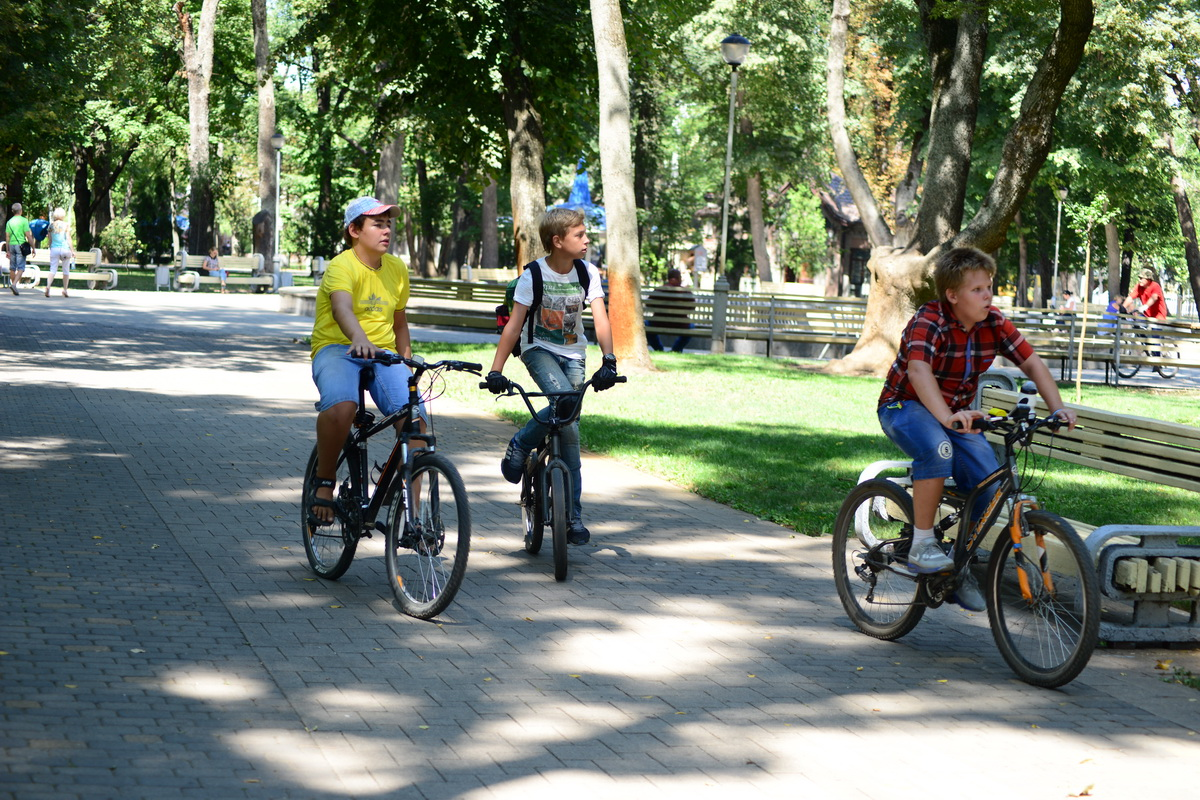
(957, 48)
(758, 230)
(388, 179)
(1112, 242)
(526, 150)
(1022, 263)
(426, 263)
(263, 74)
(490, 232)
(83, 201)
(616, 164)
(197, 63)
(1187, 222)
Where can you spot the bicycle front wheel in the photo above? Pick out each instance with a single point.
(870, 547)
(1043, 601)
(428, 542)
(1170, 351)
(330, 548)
(559, 499)
(531, 508)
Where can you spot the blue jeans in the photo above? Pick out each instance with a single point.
(937, 451)
(656, 343)
(554, 373)
(335, 372)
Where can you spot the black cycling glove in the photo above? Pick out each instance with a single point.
(606, 376)
(497, 383)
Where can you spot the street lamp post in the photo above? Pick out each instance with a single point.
(1062, 198)
(277, 141)
(734, 50)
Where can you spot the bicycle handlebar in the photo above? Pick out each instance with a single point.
(419, 365)
(515, 389)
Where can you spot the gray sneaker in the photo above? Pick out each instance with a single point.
(926, 557)
(512, 466)
(967, 593)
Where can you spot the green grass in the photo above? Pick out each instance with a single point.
(781, 441)
(1183, 677)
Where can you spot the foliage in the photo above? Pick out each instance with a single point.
(120, 239)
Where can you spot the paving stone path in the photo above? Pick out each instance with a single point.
(163, 637)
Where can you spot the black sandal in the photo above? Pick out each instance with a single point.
(319, 502)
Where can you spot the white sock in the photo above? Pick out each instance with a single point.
(922, 535)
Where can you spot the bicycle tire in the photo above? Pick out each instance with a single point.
(531, 508)
(330, 548)
(558, 500)
(872, 527)
(428, 543)
(1166, 371)
(1048, 639)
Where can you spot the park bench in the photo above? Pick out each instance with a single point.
(242, 271)
(87, 267)
(1151, 580)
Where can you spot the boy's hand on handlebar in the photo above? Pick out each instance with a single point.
(1065, 415)
(964, 421)
(606, 376)
(496, 382)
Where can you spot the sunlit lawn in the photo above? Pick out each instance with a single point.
(780, 440)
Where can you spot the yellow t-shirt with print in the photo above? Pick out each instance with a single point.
(376, 295)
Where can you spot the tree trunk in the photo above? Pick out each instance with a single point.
(325, 244)
(197, 63)
(1187, 223)
(616, 164)
(426, 265)
(758, 230)
(83, 201)
(956, 47)
(1022, 263)
(526, 150)
(101, 211)
(450, 257)
(388, 179)
(1112, 241)
(490, 232)
(267, 179)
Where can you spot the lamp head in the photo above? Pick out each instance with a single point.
(1062, 194)
(734, 50)
(277, 140)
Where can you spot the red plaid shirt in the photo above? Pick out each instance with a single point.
(958, 358)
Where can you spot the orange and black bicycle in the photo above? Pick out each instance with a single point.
(1043, 598)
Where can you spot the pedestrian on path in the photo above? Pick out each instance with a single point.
(20, 245)
(61, 252)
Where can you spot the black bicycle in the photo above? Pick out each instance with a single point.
(1043, 597)
(1139, 340)
(416, 498)
(546, 489)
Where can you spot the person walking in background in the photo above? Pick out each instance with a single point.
(671, 305)
(20, 245)
(38, 228)
(61, 252)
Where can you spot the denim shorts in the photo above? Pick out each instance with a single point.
(335, 373)
(937, 451)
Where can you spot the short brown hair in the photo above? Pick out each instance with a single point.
(952, 267)
(557, 222)
(357, 222)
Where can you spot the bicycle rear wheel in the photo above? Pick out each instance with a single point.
(428, 543)
(558, 500)
(1169, 350)
(330, 548)
(870, 544)
(1048, 637)
(531, 508)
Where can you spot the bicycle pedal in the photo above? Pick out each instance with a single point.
(378, 526)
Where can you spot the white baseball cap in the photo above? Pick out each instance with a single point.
(367, 207)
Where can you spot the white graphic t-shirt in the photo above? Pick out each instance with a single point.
(558, 325)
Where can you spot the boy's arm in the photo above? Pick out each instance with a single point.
(1037, 371)
(403, 338)
(603, 329)
(342, 305)
(509, 336)
(923, 382)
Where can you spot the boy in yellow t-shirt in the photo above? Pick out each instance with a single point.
(360, 311)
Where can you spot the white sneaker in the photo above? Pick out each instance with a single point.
(927, 556)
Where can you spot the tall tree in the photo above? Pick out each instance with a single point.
(955, 36)
(197, 63)
(264, 69)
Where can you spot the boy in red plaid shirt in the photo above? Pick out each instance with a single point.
(946, 346)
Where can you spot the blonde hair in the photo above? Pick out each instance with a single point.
(557, 222)
(952, 267)
(59, 213)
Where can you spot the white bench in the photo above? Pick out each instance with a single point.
(241, 271)
(86, 267)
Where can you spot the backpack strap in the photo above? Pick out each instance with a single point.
(535, 275)
(585, 278)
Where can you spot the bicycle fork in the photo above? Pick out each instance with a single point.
(1016, 527)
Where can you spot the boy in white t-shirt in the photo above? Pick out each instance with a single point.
(556, 356)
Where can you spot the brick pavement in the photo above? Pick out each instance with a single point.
(163, 636)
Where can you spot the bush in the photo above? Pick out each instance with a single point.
(119, 240)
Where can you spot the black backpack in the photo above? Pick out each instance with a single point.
(504, 310)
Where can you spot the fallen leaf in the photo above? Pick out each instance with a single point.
(944, 680)
(137, 650)
(335, 606)
(1164, 664)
